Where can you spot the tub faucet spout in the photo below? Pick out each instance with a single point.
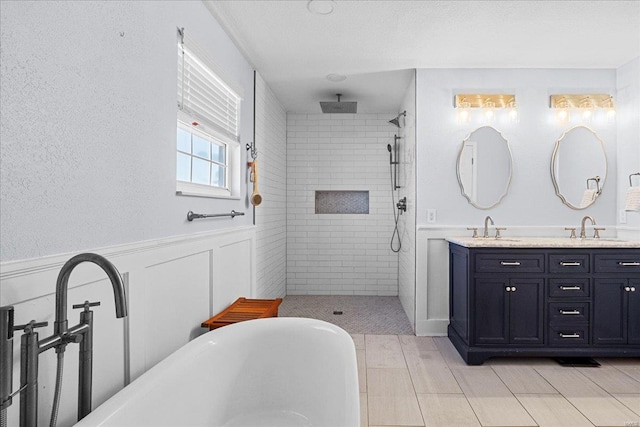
(61, 325)
(583, 233)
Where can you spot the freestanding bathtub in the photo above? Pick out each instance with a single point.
(276, 372)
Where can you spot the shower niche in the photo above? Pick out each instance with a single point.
(342, 202)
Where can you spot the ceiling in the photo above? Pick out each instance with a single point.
(376, 44)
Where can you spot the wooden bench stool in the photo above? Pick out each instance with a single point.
(244, 309)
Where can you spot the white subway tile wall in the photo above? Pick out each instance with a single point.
(271, 214)
(334, 254)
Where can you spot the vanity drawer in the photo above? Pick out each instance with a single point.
(568, 335)
(569, 263)
(522, 263)
(563, 288)
(566, 312)
(618, 263)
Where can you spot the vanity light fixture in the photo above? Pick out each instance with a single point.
(513, 111)
(610, 109)
(463, 111)
(585, 104)
(563, 112)
(489, 105)
(586, 110)
(489, 108)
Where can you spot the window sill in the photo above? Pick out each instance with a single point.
(196, 190)
(210, 196)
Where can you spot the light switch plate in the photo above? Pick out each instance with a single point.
(622, 216)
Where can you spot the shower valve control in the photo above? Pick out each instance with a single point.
(402, 205)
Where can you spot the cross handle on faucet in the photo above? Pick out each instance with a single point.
(86, 305)
(29, 327)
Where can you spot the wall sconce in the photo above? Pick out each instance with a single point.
(488, 104)
(584, 104)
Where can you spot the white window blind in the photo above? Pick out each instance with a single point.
(201, 92)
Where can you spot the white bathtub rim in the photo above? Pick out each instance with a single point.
(146, 382)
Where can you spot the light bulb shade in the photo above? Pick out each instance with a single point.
(513, 116)
(563, 115)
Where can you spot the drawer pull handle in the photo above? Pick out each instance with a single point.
(574, 335)
(570, 288)
(633, 289)
(569, 312)
(512, 263)
(628, 264)
(570, 263)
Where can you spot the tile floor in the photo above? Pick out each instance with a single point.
(422, 381)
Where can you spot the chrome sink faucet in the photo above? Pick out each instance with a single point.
(486, 226)
(583, 233)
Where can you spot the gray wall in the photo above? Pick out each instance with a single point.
(628, 121)
(531, 200)
(89, 120)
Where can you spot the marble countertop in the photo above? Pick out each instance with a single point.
(542, 242)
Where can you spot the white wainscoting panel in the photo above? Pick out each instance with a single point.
(172, 285)
(169, 288)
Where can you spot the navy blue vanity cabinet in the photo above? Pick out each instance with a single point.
(509, 311)
(551, 302)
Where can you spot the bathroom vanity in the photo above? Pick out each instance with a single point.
(550, 297)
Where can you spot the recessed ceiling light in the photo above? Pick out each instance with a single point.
(336, 77)
(321, 7)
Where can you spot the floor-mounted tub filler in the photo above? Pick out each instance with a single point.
(267, 372)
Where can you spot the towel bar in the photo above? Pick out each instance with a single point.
(191, 216)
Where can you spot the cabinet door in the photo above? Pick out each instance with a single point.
(610, 311)
(526, 312)
(491, 308)
(634, 312)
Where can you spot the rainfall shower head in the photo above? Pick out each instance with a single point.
(339, 107)
(396, 120)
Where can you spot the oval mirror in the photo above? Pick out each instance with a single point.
(579, 167)
(484, 167)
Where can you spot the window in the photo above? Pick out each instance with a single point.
(207, 141)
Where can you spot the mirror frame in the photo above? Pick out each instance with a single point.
(553, 161)
(506, 190)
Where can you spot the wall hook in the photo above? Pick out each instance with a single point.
(254, 152)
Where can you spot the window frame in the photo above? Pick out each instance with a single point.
(206, 127)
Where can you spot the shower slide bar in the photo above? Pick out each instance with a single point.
(191, 216)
